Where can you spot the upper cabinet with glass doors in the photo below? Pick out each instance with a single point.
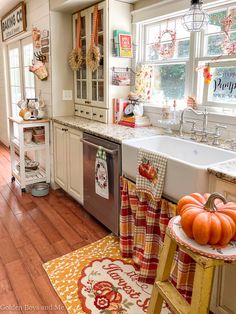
(90, 86)
(94, 91)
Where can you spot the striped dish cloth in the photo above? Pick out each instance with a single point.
(151, 170)
(143, 223)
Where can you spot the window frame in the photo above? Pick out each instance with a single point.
(197, 47)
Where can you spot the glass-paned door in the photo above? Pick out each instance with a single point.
(15, 77)
(81, 88)
(27, 56)
(21, 81)
(98, 77)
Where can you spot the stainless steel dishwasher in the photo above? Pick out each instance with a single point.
(105, 210)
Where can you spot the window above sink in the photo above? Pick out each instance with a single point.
(176, 78)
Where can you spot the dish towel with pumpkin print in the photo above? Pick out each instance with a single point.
(151, 170)
(101, 174)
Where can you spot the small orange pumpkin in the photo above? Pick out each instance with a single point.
(208, 218)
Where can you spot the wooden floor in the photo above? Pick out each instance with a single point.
(34, 231)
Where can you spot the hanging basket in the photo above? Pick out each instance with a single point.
(94, 55)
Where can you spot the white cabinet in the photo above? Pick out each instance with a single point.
(223, 298)
(94, 89)
(68, 160)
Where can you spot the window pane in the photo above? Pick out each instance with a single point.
(29, 78)
(156, 33)
(214, 45)
(84, 90)
(15, 94)
(100, 91)
(15, 76)
(215, 19)
(233, 13)
(169, 82)
(223, 85)
(28, 54)
(94, 90)
(151, 53)
(183, 49)
(14, 58)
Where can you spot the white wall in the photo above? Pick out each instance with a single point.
(62, 75)
(37, 15)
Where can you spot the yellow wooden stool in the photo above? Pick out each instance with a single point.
(163, 290)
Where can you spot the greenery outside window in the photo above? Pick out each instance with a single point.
(178, 77)
(169, 76)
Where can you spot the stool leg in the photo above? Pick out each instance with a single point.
(202, 287)
(163, 273)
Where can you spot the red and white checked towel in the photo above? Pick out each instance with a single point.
(151, 170)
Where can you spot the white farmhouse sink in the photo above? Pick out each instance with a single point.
(187, 162)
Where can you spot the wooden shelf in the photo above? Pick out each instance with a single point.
(31, 177)
(29, 147)
(21, 121)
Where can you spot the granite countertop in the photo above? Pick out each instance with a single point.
(118, 133)
(113, 132)
(225, 171)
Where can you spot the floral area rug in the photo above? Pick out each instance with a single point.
(95, 279)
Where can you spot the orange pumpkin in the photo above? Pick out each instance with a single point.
(208, 219)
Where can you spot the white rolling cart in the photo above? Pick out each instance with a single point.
(18, 143)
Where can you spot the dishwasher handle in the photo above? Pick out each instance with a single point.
(109, 151)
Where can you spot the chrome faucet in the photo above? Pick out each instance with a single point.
(181, 122)
(203, 132)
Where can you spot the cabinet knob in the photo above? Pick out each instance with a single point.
(81, 111)
(76, 110)
(94, 114)
(87, 112)
(87, 102)
(101, 116)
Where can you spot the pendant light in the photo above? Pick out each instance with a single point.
(196, 18)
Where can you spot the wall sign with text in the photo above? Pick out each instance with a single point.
(222, 89)
(14, 22)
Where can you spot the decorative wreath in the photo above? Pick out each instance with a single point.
(76, 56)
(228, 45)
(166, 52)
(93, 58)
(94, 55)
(75, 59)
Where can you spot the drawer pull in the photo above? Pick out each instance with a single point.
(87, 112)
(94, 114)
(87, 102)
(76, 110)
(101, 116)
(81, 111)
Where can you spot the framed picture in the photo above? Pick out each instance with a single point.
(221, 92)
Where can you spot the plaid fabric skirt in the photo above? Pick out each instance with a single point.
(142, 230)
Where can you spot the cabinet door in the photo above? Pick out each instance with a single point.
(75, 164)
(98, 77)
(81, 76)
(60, 164)
(223, 299)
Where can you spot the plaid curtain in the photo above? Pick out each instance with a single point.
(142, 230)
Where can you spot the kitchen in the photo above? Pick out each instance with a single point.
(99, 103)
